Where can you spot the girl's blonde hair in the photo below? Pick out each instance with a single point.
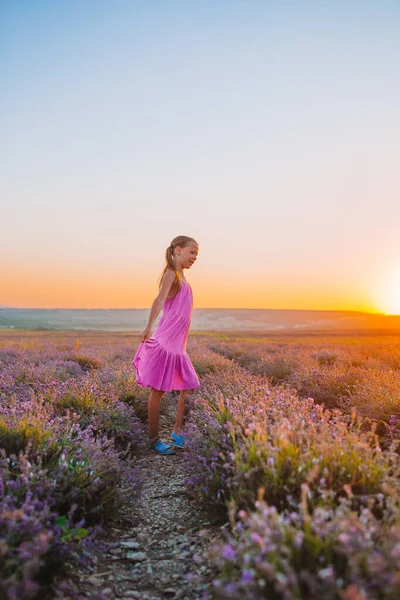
(182, 241)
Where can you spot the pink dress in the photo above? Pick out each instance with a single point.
(161, 361)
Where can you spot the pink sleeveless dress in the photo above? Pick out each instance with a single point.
(161, 361)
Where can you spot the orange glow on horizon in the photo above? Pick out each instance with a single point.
(93, 290)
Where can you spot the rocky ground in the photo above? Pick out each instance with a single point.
(158, 549)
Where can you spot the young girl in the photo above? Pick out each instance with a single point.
(161, 361)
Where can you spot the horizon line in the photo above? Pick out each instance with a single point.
(212, 308)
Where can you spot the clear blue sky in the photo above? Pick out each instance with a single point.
(270, 131)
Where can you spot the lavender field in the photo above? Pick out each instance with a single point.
(293, 448)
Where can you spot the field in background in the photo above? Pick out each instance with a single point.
(203, 319)
(347, 370)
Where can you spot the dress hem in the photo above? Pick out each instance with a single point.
(172, 363)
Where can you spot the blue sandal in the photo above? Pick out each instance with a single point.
(178, 440)
(162, 448)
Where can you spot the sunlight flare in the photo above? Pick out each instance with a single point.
(389, 293)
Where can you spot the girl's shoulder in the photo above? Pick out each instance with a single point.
(168, 278)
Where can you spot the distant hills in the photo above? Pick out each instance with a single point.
(206, 319)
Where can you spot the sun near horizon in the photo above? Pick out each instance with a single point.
(387, 295)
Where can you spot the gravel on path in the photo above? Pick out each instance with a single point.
(158, 548)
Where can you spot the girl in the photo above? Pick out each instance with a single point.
(161, 361)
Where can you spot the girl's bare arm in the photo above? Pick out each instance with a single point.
(158, 303)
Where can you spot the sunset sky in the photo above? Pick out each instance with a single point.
(267, 130)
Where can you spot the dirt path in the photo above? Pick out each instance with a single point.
(153, 555)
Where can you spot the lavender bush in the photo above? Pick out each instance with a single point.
(246, 434)
(317, 497)
(329, 554)
(68, 446)
(346, 373)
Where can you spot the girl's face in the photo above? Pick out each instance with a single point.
(187, 255)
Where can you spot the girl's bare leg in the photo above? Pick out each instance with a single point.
(154, 411)
(181, 411)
